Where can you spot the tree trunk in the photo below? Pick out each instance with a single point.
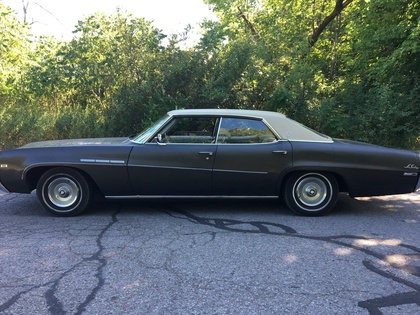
(340, 5)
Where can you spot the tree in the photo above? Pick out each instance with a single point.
(349, 68)
(385, 68)
(14, 46)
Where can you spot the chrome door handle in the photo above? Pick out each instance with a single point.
(281, 152)
(206, 152)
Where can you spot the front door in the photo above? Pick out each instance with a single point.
(179, 163)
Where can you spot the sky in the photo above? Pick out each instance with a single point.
(58, 17)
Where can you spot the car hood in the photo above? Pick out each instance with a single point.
(75, 142)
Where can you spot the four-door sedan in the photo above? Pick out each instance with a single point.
(209, 153)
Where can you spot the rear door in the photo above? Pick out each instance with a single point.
(249, 158)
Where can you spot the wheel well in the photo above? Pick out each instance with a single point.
(342, 185)
(34, 174)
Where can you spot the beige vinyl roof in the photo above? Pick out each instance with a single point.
(286, 128)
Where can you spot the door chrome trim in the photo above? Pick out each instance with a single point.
(172, 167)
(102, 161)
(244, 172)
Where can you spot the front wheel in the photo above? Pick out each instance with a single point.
(64, 192)
(311, 194)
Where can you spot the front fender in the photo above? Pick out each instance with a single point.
(106, 166)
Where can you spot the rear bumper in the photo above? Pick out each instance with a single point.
(418, 185)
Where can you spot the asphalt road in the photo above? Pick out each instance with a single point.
(211, 257)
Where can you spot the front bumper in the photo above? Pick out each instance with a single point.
(418, 185)
(3, 189)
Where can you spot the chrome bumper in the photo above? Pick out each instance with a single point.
(418, 185)
(3, 189)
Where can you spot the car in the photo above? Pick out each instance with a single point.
(209, 153)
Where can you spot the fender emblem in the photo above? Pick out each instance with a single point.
(411, 167)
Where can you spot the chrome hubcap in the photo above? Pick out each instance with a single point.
(311, 191)
(63, 192)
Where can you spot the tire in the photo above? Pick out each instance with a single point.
(311, 194)
(64, 192)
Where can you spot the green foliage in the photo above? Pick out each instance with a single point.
(14, 45)
(347, 68)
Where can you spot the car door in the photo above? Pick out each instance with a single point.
(179, 162)
(249, 158)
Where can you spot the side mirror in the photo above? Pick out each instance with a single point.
(159, 139)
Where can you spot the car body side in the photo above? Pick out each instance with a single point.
(360, 169)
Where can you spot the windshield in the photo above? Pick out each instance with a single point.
(149, 131)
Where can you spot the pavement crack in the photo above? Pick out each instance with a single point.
(234, 225)
(358, 243)
(54, 304)
(97, 257)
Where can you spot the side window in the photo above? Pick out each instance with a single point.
(189, 130)
(243, 130)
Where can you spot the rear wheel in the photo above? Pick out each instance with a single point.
(311, 194)
(64, 192)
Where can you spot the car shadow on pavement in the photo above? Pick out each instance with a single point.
(372, 206)
(376, 205)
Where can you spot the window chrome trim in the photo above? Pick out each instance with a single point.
(149, 135)
(214, 144)
(312, 141)
(216, 139)
(179, 143)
